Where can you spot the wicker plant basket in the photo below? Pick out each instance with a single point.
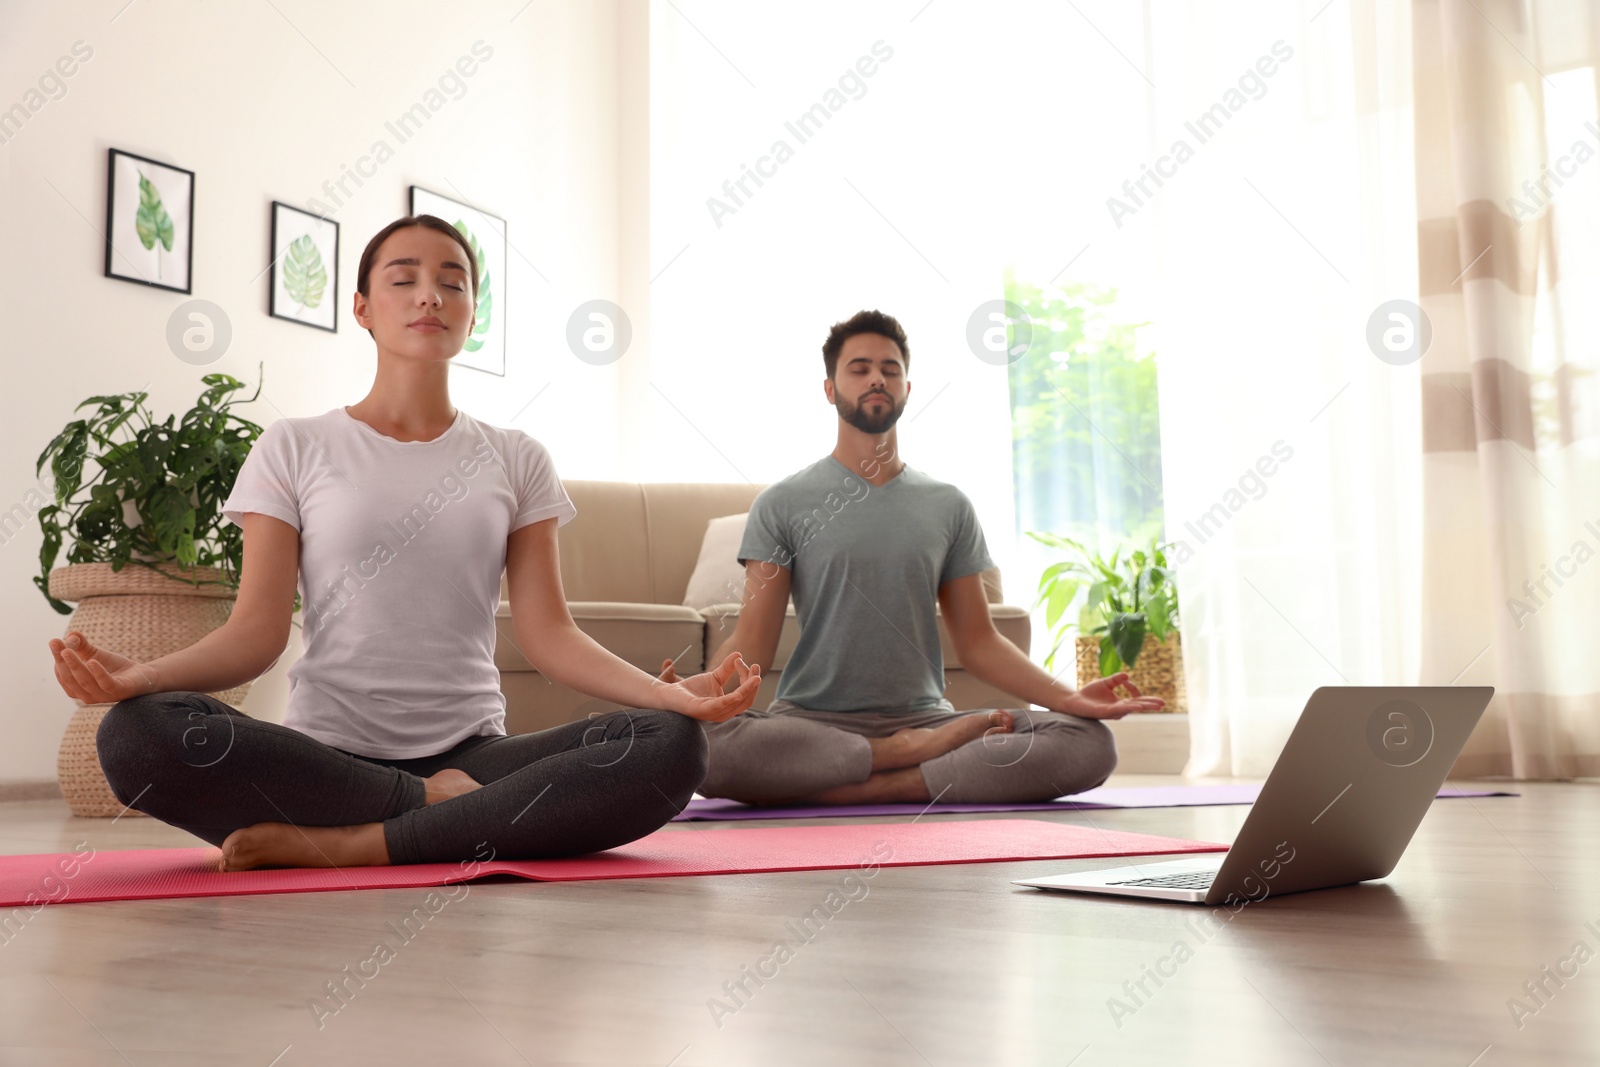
(1158, 672)
(142, 615)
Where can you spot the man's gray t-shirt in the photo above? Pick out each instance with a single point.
(867, 563)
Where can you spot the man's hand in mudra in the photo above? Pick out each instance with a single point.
(1100, 699)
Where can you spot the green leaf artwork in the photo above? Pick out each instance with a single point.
(152, 223)
(305, 278)
(485, 295)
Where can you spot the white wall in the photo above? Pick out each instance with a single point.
(270, 102)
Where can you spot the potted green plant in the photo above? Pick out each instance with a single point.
(1129, 615)
(154, 502)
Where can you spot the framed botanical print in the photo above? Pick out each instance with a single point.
(304, 284)
(485, 349)
(149, 222)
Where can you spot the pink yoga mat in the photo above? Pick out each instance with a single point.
(1154, 796)
(35, 880)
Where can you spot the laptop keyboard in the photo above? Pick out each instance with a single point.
(1185, 880)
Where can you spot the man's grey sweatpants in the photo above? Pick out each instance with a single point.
(788, 752)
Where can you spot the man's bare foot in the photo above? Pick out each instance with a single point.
(448, 783)
(279, 844)
(919, 744)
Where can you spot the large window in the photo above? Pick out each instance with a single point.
(1085, 417)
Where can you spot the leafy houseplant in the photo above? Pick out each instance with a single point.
(158, 494)
(1128, 597)
(155, 501)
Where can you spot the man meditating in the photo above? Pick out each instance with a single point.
(869, 547)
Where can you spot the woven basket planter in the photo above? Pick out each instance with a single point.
(142, 615)
(1158, 672)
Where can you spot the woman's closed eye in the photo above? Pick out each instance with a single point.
(457, 288)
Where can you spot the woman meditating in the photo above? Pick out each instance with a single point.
(397, 515)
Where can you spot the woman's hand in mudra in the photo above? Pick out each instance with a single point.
(97, 675)
(701, 696)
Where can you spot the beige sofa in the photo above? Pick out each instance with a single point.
(625, 564)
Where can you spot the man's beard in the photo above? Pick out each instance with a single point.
(870, 421)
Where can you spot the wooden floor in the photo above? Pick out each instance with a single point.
(934, 966)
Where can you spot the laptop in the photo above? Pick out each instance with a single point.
(1344, 799)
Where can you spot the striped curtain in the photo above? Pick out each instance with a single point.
(1508, 214)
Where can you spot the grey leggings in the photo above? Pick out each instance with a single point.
(194, 762)
(788, 752)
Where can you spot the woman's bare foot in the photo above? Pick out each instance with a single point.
(448, 783)
(919, 744)
(279, 844)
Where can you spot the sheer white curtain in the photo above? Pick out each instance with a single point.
(983, 136)
(1507, 120)
(1291, 451)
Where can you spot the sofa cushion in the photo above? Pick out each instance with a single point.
(641, 634)
(718, 575)
(677, 514)
(637, 542)
(605, 550)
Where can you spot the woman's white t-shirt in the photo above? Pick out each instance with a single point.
(402, 545)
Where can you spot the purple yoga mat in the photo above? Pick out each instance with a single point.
(1149, 796)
